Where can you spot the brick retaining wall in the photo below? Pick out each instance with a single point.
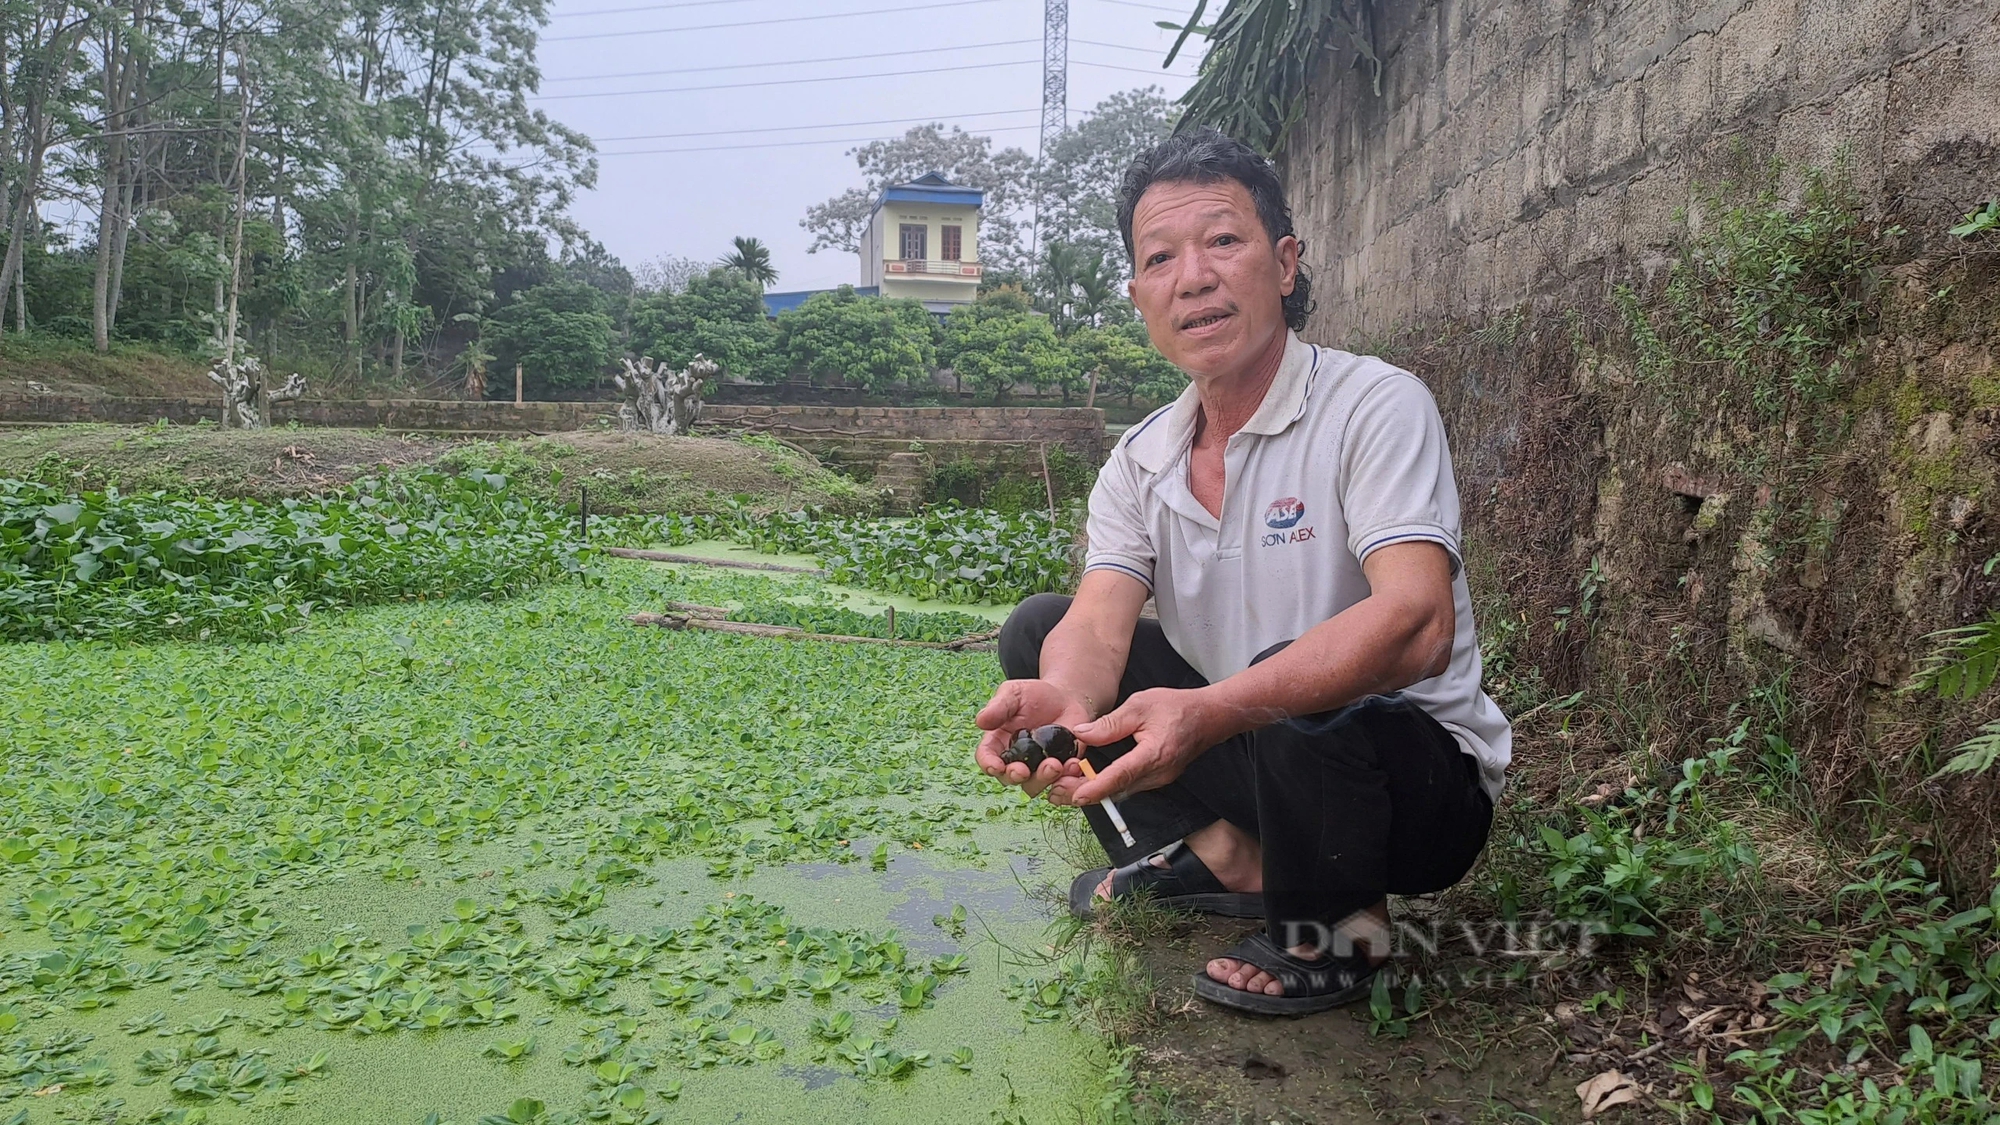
(857, 432)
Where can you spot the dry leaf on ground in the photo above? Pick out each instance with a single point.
(1612, 1088)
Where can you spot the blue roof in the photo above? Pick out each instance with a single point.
(775, 303)
(932, 188)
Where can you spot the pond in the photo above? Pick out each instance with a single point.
(458, 859)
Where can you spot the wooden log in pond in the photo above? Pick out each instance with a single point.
(978, 642)
(697, 560)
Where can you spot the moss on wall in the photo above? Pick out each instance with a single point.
(1754, 478)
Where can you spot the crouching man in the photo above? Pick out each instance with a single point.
(1302, 732)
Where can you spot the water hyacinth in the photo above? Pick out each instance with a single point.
(948, 554)
(107, 565)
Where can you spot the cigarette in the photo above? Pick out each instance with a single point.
(1110, 809)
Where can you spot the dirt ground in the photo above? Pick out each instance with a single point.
(1476, 1061)
(624, 472)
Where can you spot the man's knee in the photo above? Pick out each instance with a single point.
(1026, 628)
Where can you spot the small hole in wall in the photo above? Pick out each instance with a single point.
(1676, 549)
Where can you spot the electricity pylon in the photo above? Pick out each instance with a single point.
(1055, 104)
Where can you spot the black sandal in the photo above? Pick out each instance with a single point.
(1185, 883)
(1310, 986)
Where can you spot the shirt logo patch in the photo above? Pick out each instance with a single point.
(1282, 518)
(1284, 513)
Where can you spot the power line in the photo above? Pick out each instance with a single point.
(784, 81)
(1121, 46)
(789, 144)
(1136, 70)
(765, 23)
(843, 58)
(1181, 12)
(941, 119)
(793, 62)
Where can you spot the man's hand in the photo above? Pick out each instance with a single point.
(1170, 727)
(1025, 705)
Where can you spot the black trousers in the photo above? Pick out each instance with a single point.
(1349, 805)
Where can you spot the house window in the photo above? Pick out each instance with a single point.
(914, 240)
(950, 242)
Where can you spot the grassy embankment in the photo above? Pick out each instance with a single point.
(624, 473)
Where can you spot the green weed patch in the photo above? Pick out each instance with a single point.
(962, 555)
(107, 565)
(518, 859)
(950, 554)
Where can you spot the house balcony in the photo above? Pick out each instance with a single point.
(912, 267)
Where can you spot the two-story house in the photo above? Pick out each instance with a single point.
(923, 242)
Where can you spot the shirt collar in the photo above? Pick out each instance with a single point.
(1284, 401)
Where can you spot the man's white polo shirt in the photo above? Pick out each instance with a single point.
(1345, 455)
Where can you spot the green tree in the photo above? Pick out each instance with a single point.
(869, 342)
(1126, 363)
(1077, 286)
(961, 157)
(996, 348)
(752, 259)
(323, 174)
(720, 315)
(1079, 180)
(559, 333)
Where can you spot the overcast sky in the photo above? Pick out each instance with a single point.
(661, 190)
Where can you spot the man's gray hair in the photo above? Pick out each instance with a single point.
(1206, 156)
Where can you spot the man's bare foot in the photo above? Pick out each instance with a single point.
(1230, 853)
(1368, 930)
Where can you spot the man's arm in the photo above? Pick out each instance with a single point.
(1083, 659)
(1398, 635)
(1086, 652)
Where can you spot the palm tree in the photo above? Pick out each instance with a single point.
(752, 259)
(1076, 285)
(1096, 289)
(1055, 281)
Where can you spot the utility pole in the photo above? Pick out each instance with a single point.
(1055, 104)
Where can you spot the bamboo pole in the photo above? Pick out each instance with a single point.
(1048, 485)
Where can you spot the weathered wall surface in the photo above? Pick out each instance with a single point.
(1548, 214)
(838, 429)
(1524, 149)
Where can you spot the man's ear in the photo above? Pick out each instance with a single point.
(1288, 262)
(1132, 291)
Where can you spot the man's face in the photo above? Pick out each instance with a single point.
(1207, 277)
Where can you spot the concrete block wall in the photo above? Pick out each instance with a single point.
(1523, 149)
(1473, 224)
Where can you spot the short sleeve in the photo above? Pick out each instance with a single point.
(1119, 537)
(1396, 479)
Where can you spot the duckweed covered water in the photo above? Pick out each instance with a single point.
(464, 859)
